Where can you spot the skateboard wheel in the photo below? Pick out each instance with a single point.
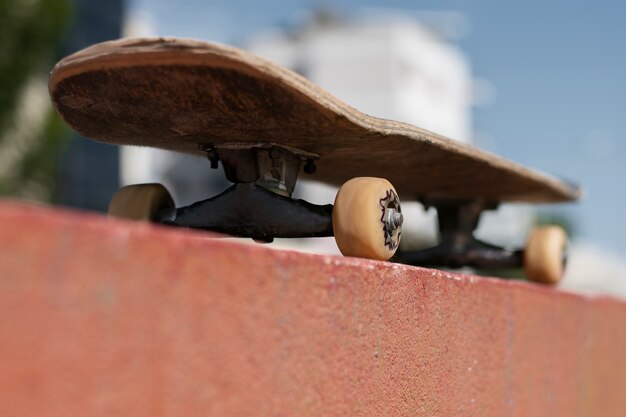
(544, 257)
(148, 202)
(367, 220)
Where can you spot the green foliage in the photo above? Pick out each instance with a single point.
(35, 176)
(30, 32)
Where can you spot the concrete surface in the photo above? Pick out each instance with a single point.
(108, 318)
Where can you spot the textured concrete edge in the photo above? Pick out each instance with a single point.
(110, 317)
(21, 211)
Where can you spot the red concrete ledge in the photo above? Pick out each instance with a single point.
(102, 317)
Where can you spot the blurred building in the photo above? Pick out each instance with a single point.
(89, 171)
(593, 269)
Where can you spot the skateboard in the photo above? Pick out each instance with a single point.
(264, 124)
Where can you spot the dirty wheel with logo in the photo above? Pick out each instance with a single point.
(367, 218)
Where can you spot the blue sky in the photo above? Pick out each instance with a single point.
(558, 67)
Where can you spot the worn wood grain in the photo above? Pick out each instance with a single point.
(176, 94)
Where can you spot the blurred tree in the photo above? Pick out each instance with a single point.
(31, 133)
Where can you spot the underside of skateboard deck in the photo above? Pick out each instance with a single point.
(180, 95)
(263, 124)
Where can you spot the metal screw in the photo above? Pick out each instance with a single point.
(393, 218)
(275, 155)
(309, 166)
(211, 154)
(397, 219)
(213, 158)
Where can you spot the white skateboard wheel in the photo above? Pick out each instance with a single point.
(545, 254)
(367, 219)
(146, 202)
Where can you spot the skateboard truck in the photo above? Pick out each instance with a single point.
(259, 204)
(273, 167)
(457, 246)
(365, 220)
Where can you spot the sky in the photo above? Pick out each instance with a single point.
(558, 69)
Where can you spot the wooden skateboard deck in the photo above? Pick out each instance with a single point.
(180, 94)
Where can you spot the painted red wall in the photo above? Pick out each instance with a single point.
(108, 318)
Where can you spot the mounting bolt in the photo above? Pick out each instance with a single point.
(213, 157)
(309, 166)
(274, 154)
(211, 154)
(393, 218)
(397, 219)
